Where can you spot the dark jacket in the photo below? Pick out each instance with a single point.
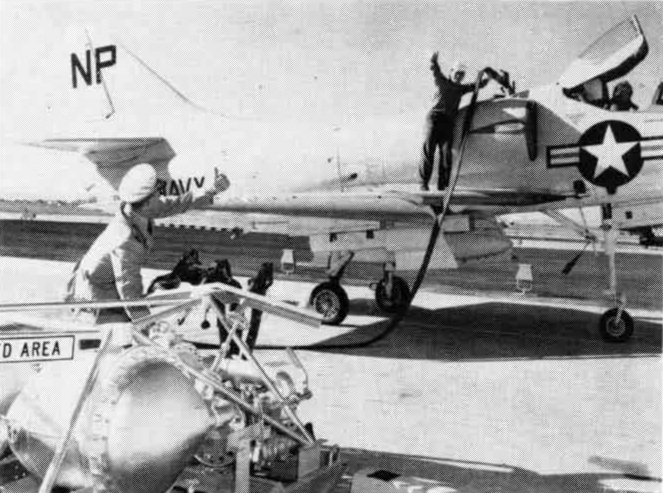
(449, 93)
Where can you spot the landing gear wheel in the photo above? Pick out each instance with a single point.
(616, 331)
(330, 300)
(400, 295)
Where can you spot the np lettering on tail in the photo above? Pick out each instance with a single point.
(104, 57)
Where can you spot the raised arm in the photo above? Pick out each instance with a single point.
(172, 205)
(440, 79)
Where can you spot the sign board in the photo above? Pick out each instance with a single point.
(36, 348)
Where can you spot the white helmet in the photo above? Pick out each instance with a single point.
(138, 183)
(458, 66)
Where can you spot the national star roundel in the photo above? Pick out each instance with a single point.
(610, 154)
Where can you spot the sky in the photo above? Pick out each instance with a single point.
(301, 81)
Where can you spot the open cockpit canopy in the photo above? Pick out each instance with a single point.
(611, 56)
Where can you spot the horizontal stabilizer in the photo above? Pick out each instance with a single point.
(114, 157)
(114, 152)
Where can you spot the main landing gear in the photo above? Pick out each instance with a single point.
(331, 301)
(392, 293)
(329, 298)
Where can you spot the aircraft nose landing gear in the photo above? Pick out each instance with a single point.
(615, 328)
(616, 325)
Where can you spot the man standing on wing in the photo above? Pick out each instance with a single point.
(440, 120)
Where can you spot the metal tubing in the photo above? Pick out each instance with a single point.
(228, 394)
(25, 307)
(252, 300)
(155, 317)
(267, 305)
(268, 381)
(61, 447)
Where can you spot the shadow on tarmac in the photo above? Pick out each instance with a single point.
(478, 477)
(495, 331)
(488, 331)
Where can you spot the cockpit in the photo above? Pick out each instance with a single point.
(610, 57)
(597, 93)
(594, 92)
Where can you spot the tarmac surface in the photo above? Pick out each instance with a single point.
(640, 275)
(503, 394)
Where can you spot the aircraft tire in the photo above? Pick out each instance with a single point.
(613, 332)
(401, 295)
(330, 300)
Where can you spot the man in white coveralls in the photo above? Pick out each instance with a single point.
(110, 270)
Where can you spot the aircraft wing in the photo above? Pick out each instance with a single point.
(486, 197)
(388, 205)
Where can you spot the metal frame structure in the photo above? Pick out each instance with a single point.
(215, 296)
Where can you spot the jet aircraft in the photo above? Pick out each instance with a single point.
(553, 147)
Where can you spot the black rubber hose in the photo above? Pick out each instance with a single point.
(393, 322)
(398, 316)
(440, 214)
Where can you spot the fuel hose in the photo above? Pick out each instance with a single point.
(439, 213)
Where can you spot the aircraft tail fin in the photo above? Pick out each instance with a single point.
(180, 95)
(164, 81)
(103, 81)
(79, 71)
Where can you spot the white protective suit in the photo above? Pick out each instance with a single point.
(110, 270)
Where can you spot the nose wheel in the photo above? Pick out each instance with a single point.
(331, 301)
(392, 296)
(615, 326)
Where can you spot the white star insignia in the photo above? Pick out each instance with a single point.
(610, 154)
